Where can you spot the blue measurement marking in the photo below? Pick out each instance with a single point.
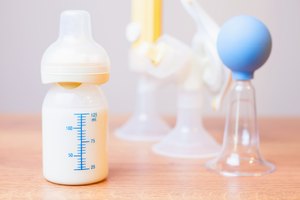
(81, 137)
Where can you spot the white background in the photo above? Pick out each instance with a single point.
(28, 27)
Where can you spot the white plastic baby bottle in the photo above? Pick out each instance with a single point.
(74, 115)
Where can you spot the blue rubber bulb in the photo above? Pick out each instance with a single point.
(244, 45)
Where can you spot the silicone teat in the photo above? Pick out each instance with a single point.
(75, 57)
(244, 45)
(75, 24)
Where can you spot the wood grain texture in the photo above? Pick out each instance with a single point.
(137, 173)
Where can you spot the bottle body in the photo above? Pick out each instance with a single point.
(75, 127)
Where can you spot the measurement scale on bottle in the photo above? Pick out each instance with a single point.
(81, 130)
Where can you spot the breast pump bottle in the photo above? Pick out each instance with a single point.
(74, 114)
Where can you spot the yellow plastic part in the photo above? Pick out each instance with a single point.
(103, 78)
(156, 53)
(148, 14)
(69, 85)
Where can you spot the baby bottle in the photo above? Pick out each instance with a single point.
(74, 114)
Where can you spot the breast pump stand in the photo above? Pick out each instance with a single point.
(168, 60)
(143, 31)
(74, 115)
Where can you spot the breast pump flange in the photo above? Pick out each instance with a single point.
(168, 57)
(145, 124)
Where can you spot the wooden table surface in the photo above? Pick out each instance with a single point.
(137, 173)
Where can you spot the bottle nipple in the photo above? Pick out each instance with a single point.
(75, 57)
(75, 24)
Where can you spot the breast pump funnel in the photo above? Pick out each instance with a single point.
(243, 52)
(188, 139)
(145, 124)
